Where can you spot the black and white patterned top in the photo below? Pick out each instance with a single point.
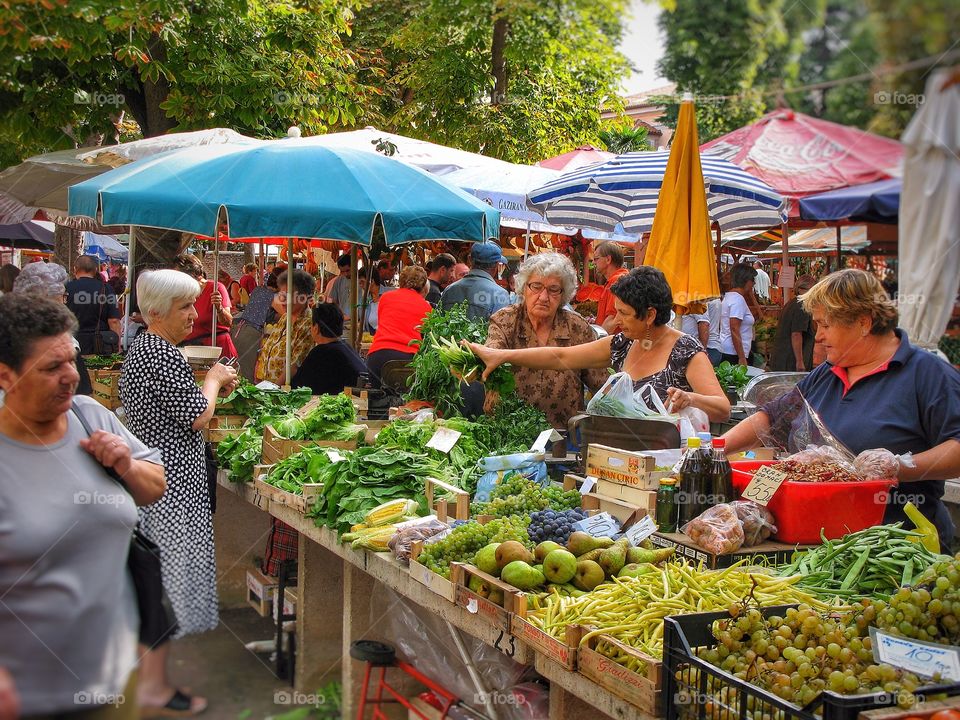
(675, 372)
(162, 400)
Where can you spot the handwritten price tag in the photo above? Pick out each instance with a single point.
(640, 531)
(600, 525)
(766, 481)
(922, 658)
(444, 439)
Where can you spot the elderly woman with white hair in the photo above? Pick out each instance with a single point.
(48, 280)
(166, 409)
(545, 283)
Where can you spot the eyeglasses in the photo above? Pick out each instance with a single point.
(537, 288)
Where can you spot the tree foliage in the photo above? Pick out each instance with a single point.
(68, 71)
(624, 137)
(514, 79)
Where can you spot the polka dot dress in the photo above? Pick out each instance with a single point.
(161, 400)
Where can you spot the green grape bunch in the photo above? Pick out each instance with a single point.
(519, 496)
(463, 542)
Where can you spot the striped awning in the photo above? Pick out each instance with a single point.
(621, 195)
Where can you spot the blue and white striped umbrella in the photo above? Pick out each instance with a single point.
(624, 191)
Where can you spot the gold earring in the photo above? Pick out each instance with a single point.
(646, 343)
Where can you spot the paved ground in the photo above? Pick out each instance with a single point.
(238, 684)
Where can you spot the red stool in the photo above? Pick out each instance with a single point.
(383, 656)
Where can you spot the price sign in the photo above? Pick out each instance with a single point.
(334, 455)
(640, 531)
(588, 482)
(766, 481)
(444, 439)
(600, 525)
(540, 444)
(787, 277)
(923, 658)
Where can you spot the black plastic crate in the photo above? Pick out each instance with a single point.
(686, 678)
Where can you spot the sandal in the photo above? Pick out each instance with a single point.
(179, 705)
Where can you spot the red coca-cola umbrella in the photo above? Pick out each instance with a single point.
(798, 155)
(577, 158)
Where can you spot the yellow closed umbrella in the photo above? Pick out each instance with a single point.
(680, 244)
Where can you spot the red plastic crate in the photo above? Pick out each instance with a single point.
(801, 509)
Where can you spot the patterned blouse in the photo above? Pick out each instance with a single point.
(558, 394)
(271, 363)
(673, 375)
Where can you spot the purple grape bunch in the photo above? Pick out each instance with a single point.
(555, 525)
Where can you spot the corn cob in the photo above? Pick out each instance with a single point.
(375, 541)
(390, 512)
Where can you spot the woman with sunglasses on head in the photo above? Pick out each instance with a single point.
(646, 347)
(544, 284)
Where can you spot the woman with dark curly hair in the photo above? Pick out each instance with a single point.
(646, 347)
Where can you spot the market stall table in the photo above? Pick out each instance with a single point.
(329, 619)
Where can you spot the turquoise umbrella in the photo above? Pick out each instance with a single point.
(294, 187)
(284, 188)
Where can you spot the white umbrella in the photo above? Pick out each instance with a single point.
(930, 213)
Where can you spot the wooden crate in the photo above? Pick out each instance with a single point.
(497, 615)
(221, 427)
(625, 468)
(644, 691)
(438, 584)
(300, 503)
(360, 399)
(260, 589)
(563, 652)
(276, 448)
(635, 497)
(106, 387)
(441, 508)
(626, 513)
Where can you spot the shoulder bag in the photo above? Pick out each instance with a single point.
(158, 622)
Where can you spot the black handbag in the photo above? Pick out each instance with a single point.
(157, 619)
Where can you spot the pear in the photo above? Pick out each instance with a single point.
(614, 557)
(510, 551)
(560, 566)
(486, 559)
(580, 542)
(496, 596)
(635, 570)
(522, 576)
(589, 575)
(541, 550)
(592, 555)
(480, 586)
(643, 555)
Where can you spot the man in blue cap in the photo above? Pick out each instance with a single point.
(484, 297)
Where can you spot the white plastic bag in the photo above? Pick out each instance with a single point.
(615, 398)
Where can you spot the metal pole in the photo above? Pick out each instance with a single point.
(289, 319)
(839, 247)
(526, 242)
(354, 314)
(785, 293)
(131, 279)
(216, 282)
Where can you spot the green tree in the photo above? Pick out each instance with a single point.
(717, 50)
(514, 79)
(622, 138)
(69, 71)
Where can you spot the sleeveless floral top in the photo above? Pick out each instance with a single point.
(673, 375)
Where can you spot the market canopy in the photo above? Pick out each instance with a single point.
(871, 202)
(577, 158)
(621, 195)
(30, 235)
(106, 247)
(294, 187)
(853, 238)
(799, 155)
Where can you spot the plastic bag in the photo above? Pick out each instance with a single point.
(410, 532)
(795, 427)
(497, 468)
(717, 530)
(881, 464)
(758, 522)
(615, 398)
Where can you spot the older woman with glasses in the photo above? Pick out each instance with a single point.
(652, 352)
(545, 283)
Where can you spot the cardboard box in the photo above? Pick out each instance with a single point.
(437, 583)
(497, 615)
(260, 591)
(289, 601)
(642, 690)
(774, 552)
(563, 652)
(623, 467)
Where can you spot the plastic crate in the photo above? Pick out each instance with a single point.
(801, 509)
(686, 678)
